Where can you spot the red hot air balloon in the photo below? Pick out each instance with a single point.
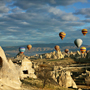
(62, 35)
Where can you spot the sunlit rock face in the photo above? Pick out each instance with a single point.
(65, 80)
(26, 69)
(59, 55)
(9, 76)
(87, 79)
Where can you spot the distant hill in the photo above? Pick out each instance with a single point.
(41, 48)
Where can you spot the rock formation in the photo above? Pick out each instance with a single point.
(47, 55)
(8, 73)
(59, 55)
(87, 79)
(65, 80)
(26, 69)
(88, 55)
(19, 56)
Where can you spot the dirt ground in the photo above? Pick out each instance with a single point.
(72, 64)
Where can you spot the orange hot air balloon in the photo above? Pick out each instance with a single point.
(83, 49)
(57, 48)
(66, 50)
(62, 35)
(29, 46)
(84, 31)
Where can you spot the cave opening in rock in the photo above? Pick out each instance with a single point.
(25, 71)
(1, 62)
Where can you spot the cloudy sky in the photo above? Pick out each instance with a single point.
(40, 21)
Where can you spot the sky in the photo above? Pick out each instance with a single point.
(25, 22)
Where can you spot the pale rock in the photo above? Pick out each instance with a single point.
(82, 55)
(87, 78)
(77, 54)
(53, 53)
(53, 75)
(65, 80)
(59, 55)
(48, 56)
(26, 69)
(54, 57)
(79, 89)
(9, 76)
(40, 56)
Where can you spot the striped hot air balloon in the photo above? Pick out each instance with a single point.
(62, 35)
(84, 31)
(83, 49)
(21, 49)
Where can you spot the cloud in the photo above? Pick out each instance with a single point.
(3, 7)
(16, 10)
(25, 4)
(87, 20)
(37, 21)
(84, 11)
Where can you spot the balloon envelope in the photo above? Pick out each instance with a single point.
(22, 49)
(78, 42)
(66, 50)
(87, 51)
(57, 48)
(83, 49)
(29, 46)
(84, 31)
(62, 35)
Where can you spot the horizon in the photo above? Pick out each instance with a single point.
(43, 43)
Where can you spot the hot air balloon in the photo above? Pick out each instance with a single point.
(62, 35)
(57, 48)
(66, 50)
(84, 31)
(29, 46)
(78, 42)
(22, 50)
(83, 49)
(87, 51)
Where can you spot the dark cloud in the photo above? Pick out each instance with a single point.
(84, 11)
(25, 4)
(87, 20)
(3, 8)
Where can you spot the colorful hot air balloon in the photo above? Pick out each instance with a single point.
(29, 46)
(66, 50)
(57, 48)
(62, 35)
(78, 42)
(84, 31)
(22, 49)
(83, 49)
